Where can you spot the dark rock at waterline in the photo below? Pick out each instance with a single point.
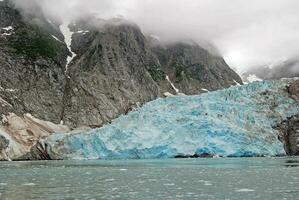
(4, 143)
(289, 135)
(289, 128)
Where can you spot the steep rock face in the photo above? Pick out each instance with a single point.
(289, 134)
(110, 76)
(289, 128)
(31, 65)
(4, 144)
(114, 70)
(235, 122)
(294, 90)
(193, 69)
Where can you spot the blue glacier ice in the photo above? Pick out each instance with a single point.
(233, 122)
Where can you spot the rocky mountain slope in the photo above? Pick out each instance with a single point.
(31, 65)
(86, 73)
(192, 68)
(113, 70)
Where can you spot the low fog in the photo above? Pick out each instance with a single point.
(247, 33)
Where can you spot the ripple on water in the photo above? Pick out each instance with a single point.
(247, 179)
(245, 190)
(28, 184)
(110, 180)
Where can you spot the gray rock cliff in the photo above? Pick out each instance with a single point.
(115, 69)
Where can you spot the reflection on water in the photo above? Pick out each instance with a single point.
(244, 178)
(292, 163)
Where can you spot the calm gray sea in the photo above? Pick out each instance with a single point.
(219, 178)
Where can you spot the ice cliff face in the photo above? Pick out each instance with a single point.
(238, 121)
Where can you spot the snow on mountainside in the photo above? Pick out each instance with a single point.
(233, 122)
(67, 33)
(251, 78)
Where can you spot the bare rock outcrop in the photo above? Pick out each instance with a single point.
(294, 90)
(289, 135)
(19, 134)
(289, 128)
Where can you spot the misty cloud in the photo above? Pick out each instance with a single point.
(247, 33)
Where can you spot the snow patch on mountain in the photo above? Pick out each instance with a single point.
(172, 85)
(6, 31)
(9, 28)
(56, 38)
(83, 32)
(67, 33)
(252, 78)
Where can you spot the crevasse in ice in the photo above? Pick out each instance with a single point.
(233, 122)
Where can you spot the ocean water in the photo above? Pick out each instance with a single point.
(217, 178)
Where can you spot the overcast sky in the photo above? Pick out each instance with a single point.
(246, 32)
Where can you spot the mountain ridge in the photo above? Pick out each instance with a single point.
(115, 69)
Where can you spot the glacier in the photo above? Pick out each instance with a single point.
(233, 122)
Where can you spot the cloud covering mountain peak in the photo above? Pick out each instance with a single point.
(247, 33)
